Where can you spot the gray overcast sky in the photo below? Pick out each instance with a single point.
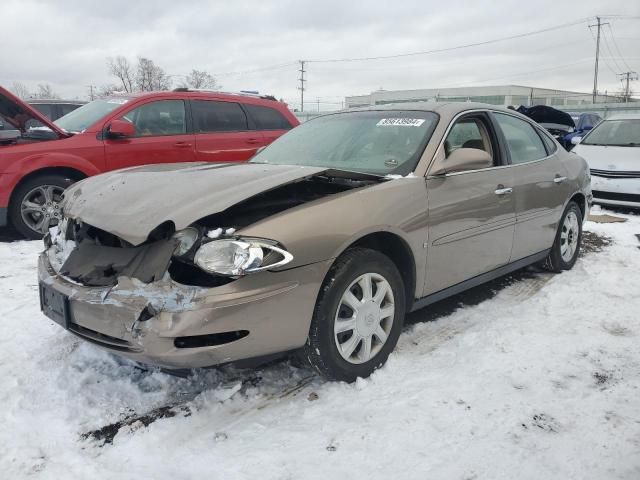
(65, 43)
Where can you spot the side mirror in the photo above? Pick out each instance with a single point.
(576, 140)
(587, 127)
(121, 129)
(463, 159)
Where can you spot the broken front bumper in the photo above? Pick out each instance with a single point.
(177, 326)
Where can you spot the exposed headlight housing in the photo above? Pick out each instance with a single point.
(240, 256)
(187, 237)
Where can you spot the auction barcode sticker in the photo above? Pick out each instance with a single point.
(400, 122)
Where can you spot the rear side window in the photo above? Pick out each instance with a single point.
(548, 142)
(524, 143)
(267, 118)
(212, 116)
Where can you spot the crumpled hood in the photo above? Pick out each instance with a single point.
(130, 203)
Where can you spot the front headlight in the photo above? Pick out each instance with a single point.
(186, 238)
(239, 257)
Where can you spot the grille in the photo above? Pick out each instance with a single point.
(614, 174)
(622, 197)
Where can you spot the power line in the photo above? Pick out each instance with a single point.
(255, 70)
(611, 56)
(448, 49)
(615, 44)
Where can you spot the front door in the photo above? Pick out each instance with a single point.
(539, 186)
(161, 136)
(471, 213)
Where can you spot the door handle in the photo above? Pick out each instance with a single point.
(559, 179)
(253, 141)
(502, 190)
(182, 145)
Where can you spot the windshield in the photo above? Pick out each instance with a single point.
(378, 142)
(615, 133)
(85, 116)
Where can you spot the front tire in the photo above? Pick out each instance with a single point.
(566, 247)
(36, 204)
(358, 317)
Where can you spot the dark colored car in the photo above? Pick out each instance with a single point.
(584, 121)
(54, 109)
(39, 158)
(556, 122)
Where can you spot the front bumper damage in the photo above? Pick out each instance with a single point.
(171, 325)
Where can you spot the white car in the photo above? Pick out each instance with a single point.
(612, 150)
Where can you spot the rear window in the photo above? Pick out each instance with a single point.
(212, 116)
(267, 118)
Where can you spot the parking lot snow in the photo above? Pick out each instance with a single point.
(538, 379)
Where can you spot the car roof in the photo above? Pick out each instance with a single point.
(183, 92)
(624, 116)
(49, 101)
(444, 109)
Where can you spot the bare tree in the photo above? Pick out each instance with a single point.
(200, 79)
(20, 89)
(122, 69)
(109, 89)
(46, 91)
(150, 77)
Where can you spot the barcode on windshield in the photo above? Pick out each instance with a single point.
(400, 122)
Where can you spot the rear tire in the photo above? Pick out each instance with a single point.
(346, 343)
(566, 247)
(35, 205)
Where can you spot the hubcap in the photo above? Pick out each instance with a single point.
(569, 237)
(40, 208)
(364, 318)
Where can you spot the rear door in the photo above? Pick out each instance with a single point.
(539, 186)
(471, 213)
(269, 121)
(162, 136)
(222, 132)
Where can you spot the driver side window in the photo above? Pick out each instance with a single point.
(164, 117)
(468, 133)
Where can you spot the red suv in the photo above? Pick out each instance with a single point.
(38, 162)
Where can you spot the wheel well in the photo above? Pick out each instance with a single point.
(582, 203)
(399, 252)
(70, 172)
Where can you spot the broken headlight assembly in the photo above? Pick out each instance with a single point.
(186, 239)
(236, 257)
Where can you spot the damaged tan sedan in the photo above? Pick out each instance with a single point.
(320, 244)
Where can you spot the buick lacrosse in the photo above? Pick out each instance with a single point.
(319, 245)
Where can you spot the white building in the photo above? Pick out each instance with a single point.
(495, 95)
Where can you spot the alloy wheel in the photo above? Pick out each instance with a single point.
(40, 208)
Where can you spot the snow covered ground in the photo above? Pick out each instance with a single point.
(536, 376)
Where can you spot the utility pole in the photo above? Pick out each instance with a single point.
(318, 103)
(301, 87)
(626, 77)
(91, 96)
(595, 73)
